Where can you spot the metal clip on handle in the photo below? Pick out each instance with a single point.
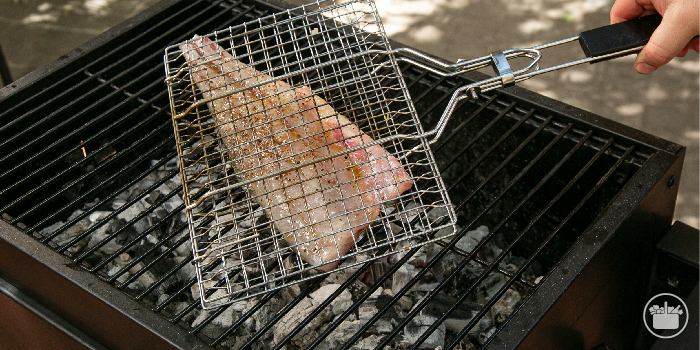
(502, 68)
(598, 44)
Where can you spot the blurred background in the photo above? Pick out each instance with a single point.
(664, 104)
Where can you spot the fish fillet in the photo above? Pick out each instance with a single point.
(320, 209)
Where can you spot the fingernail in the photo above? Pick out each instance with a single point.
(644, 68)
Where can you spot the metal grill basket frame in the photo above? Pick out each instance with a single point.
(238, 252)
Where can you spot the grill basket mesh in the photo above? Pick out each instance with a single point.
(338, 51)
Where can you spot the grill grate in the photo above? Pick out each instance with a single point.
(536, 178)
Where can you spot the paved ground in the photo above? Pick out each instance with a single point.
(665, 104)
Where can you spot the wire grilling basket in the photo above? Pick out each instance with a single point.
(300, 150)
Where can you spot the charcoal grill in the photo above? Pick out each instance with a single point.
(567, 205)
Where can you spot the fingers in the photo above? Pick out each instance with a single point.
(694, 45)
(624, 10)
(677, 29)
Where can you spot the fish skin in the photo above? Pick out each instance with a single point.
(322, 208)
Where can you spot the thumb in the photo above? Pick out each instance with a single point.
(676, 30)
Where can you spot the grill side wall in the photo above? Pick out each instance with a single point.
(83, 300)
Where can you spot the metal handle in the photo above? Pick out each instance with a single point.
(619, 37)
(598, 44)
(498, 60)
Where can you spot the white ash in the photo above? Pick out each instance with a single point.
(504, 307)
(415, 329)
(344, 332)
(472, 238)
(294, 317)
(482, 331)
(402, 276)
(70, 232)
(339, 304)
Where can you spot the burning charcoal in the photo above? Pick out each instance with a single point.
(162, 298)
(118, 203)
(294, 317)
(144, 280)
(153, 197)
(458, 318)
(367, 343)
(251, 219)
(171, 164)
(502, 309)
(113, 268)
(126, 234)
(222, 321)
(465, 344)
(464, 278)
(343, 333)
(379, 301)
(202, 314)
(406, 303)
(226, 318)
(133, 211)
(103, 232)
(482, 331)
(383, 326)
(70, 232)
(337, 277)
(472, 238)
(194, 289)
(339, 304)
(264, 315)
(184, 249)
(187, 271)
(357, 289)
(419, 325)
(402, 276)
(98, 216)
(490, 285)
(481, 337)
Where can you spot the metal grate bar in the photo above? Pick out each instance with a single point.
(455, 239)
(104, 201)
(344, 286)
(95, 137)
(128, 224)
(547, 240)
(76, 201)
(58, 91)
(509, 248)
(357, 304)
(155, 82)
(478, 136)
(421, 305)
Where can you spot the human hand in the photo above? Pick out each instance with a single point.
(674, 36)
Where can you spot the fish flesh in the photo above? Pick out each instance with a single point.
(320, 209)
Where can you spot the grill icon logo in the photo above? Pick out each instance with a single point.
(665, 313)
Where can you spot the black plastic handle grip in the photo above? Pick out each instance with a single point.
(618, 37)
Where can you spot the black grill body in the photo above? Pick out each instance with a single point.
(578, 199)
